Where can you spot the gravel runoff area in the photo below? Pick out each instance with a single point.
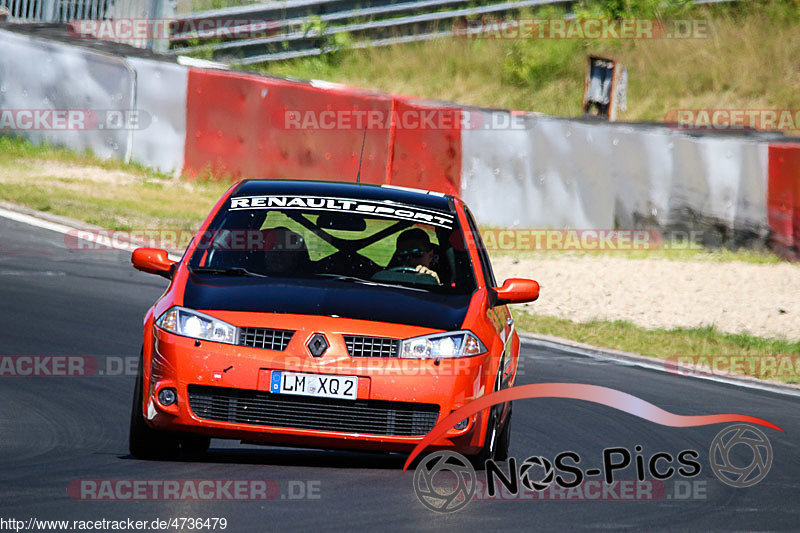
(735, 297)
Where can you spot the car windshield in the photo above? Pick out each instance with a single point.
(336, 239)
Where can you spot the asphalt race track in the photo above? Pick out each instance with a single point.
(57, 430)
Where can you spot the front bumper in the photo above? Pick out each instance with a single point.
(399, 400)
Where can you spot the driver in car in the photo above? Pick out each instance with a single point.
(285, 252)
(414, 250)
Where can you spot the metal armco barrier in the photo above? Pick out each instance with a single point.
(68, 10)
(301, 28)
(309, 35)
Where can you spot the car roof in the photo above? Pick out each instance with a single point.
(338, 189)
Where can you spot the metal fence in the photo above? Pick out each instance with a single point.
(66, 11)
(309, 27)
(296, 28)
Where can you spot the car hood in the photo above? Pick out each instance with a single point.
(327, 298)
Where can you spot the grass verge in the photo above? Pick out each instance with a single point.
(107, 193)
(671, 250)
(673, 343)
(747, 60)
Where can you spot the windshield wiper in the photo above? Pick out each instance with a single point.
(354, 279)
(231, 271)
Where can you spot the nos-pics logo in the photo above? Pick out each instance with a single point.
(445, 481)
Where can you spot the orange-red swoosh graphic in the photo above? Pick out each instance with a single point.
(577, 391)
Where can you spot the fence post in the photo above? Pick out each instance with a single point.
(160, 10)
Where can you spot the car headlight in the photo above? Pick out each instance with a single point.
(189, 323)
(441, 345)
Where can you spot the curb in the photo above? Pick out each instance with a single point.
(49, 217)
(652, 363)
(65, 225)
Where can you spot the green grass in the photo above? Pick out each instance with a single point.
(661, 343)
(107, 193)
(676, 252)
(13, 148)
(749, 61)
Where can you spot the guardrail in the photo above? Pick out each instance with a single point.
(63, 11)
(304, 28)
(283, 29)
(67, 11)
(299, 28)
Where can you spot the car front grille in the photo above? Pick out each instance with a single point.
(360, 346)
(258, 408)
(267, 339)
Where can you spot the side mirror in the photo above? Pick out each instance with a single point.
(152, 261)
(516, 291)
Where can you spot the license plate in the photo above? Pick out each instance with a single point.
(317, 385)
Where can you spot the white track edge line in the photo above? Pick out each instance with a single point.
(599, 354)
(60, 228)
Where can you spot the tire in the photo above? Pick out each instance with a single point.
(194, 445)
(504, 439)
(496, 445)
(489, 449)
(145, 442)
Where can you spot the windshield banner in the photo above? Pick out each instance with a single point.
(321, 203)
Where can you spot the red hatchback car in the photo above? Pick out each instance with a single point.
(327, 315)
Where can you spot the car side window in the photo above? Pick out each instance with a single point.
(486, 265)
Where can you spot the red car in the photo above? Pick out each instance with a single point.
(327, 315)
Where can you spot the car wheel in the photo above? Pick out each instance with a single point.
(489, 449)
(145, 442)
(504, 439)
(496, 446)
(194, 444)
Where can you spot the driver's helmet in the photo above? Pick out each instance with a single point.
(412, 243)
(285, 251)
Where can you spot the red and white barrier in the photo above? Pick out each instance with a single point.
(514, 169)
(161, 93)
(254, 126)
(41, 77)
(556, 173)
(783, 201)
